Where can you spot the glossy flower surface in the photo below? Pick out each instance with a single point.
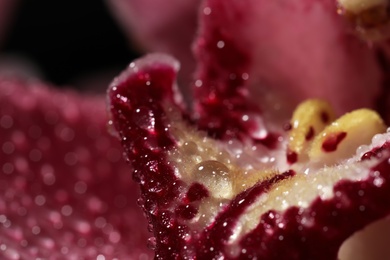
(66, 192)
(217, 180)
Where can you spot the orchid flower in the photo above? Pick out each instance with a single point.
(243, 175)
(240, 174)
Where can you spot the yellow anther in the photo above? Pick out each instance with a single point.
(309, 119)
(340, 140)
(370, 18)
(358, 6)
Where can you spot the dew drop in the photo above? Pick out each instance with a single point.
(80, 187)
(152, 243)
(6, 122)
(215, 176)
(207, 10)
(144, 118)
(36, 230)
(220, 44)
(66, 210)
(8, 168)
(8, 148)
(11, 254)
(82, 226)
(40, 200)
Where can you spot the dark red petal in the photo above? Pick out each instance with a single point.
(291, 49)
(317, 232)
(137, 98)
(65, 190)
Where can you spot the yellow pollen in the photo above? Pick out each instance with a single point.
(358, 6)
(308, 119)
(340, 139)
(370, 18)
(316, 137)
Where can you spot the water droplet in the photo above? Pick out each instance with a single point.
(40, 200)
(152, 243)
(82, 226)
(144, 118)
(220, 44)
(80, 187)
(70, 159)
(8, 168)
(36, 230)
(11, 254)
(207, 10)
(8, 148)
(215, 176)
(66, 210)
(6, 121)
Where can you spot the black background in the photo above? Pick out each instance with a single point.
(68, 39)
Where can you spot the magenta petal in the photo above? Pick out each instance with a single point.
(293, 49)
(65, 191)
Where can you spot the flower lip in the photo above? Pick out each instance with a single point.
(276, 209)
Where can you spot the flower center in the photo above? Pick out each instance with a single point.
(369, 17)
(310, 158)
(315, 139)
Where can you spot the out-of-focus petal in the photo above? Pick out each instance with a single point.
(161, 25)
(65, 190)
(292, 49)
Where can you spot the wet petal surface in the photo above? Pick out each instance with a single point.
(65, 190)
(208, 198)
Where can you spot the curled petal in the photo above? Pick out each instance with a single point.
(206, 202)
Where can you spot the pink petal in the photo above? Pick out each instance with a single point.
(65, 190)
(291, 48)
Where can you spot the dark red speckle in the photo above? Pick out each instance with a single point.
(270, 141)
(223, 97)
(143, 91)
(186, 211)
(310, 134)
(332, 141)
(376, 152)
(292, 157)
(197, 192)
(287, 127)
(324, 117)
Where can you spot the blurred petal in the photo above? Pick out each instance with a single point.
(65, 190)
(161, 25)
(293, 49)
